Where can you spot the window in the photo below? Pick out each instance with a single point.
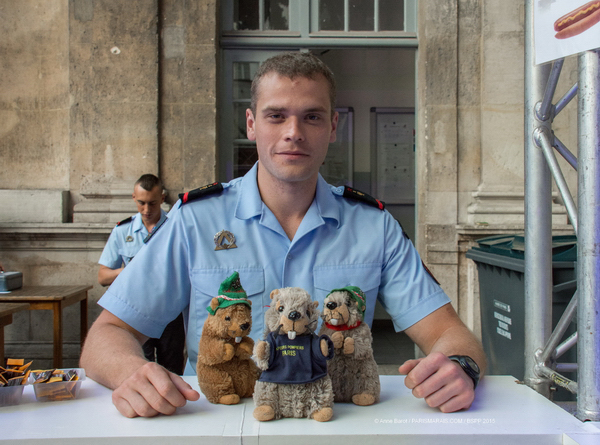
(315, 19)
(261, 15)
(361, 15)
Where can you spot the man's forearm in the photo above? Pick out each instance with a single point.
(459, 340)
(106, 275)
(111, 353)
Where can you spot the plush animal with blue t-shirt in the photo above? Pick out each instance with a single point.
(226, 372)
(293, 359)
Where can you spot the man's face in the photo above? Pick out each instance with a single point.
(148, 203)
(292, 128)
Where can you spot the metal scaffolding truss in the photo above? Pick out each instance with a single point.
(542, 346)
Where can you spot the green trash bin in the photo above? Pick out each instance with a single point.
(501, 266)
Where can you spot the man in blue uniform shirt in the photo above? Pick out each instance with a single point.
(124, 242)
(280, 225)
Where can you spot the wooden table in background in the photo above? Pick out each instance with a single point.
(53, 298)
(6, 311)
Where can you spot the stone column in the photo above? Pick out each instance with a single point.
(188, 94)
(113, 71)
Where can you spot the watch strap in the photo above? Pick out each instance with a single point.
(461, 360)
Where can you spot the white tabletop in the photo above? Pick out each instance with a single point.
(504, 412)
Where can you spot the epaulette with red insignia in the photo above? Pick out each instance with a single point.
(360, 196)
(200, 192)
(125, 221)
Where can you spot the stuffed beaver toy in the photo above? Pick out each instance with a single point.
(225, 368)
(353, 369)
(294, 380)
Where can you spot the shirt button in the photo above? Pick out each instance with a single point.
(289, 257)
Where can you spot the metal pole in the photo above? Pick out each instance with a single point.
(542, 138)
(588, 254)
(538, 218)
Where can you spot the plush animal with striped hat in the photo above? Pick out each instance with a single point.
(353, 369)
(226, 372)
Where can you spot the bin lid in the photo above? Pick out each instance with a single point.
(564, 247)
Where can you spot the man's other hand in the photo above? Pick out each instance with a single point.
(441, 382)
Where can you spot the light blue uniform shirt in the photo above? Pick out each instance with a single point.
(339, 242)
(125, 241)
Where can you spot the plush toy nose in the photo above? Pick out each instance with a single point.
(294, 315)
(244, 326)
(331, 305)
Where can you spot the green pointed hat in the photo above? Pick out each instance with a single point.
(230, 292)
(356, 294)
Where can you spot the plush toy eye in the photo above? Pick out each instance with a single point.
(280, 308)
(228, 318)
(308, 314)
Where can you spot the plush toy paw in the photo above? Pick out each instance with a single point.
(244, 350)
(363, 399)
(264, 413)
(228, 352)
(349, 345)
(323, 415)
(338, 339)
(262, 350)
(229, 399)
(324, 347)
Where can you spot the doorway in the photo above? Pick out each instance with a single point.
(368, 80)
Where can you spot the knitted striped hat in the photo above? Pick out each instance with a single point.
(356, 294)
(230, 292)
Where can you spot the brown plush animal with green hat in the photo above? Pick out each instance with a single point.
(353, 369)
(225, 370)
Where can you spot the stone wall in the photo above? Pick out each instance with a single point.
(94, 93)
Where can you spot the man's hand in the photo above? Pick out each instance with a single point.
(441, 382)
(112, 356)
(152, 390)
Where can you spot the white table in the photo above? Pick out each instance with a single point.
(504, 413)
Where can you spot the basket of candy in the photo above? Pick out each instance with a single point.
(13, 378)
(56, 384)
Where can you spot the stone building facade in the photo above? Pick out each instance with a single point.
(94, 93)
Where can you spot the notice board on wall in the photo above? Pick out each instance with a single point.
(393, 154)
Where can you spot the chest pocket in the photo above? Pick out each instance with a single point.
(128, 251)
(365, 276)
(206, 284)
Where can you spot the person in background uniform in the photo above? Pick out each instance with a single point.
(280, 225)
(125, 241)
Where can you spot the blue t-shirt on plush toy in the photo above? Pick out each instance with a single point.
(296, 361)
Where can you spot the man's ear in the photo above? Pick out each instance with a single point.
(250, 125)
(334, 123)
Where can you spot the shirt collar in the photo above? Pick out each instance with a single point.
(139, 225)
(250, 204)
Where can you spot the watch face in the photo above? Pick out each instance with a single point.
(472, 364)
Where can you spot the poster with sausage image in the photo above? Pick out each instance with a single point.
(565, 27)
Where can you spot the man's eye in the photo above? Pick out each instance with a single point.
(312, 117)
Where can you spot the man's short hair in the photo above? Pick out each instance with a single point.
(148, 182)
(293, 65)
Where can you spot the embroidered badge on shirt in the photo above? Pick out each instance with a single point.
(129, 239)
(224, 240)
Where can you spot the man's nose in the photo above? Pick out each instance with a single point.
(294, 130)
